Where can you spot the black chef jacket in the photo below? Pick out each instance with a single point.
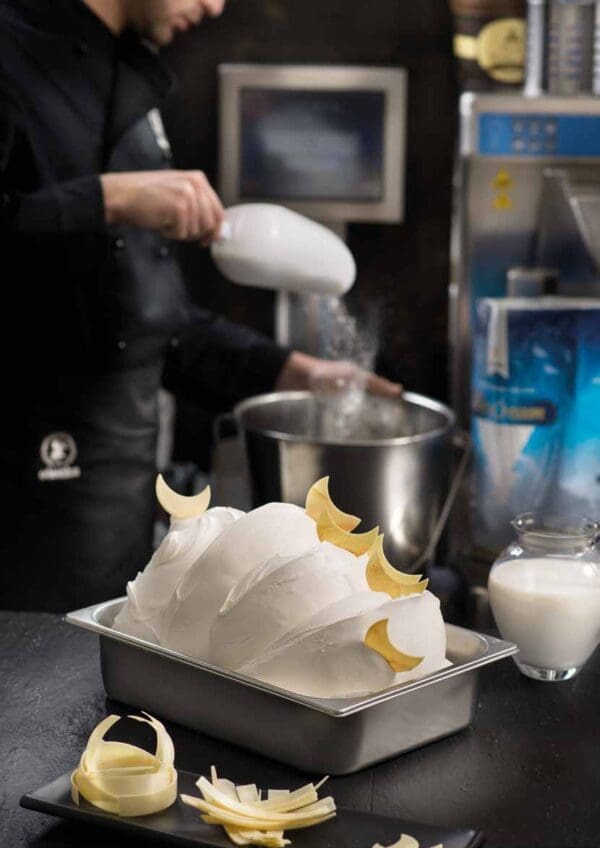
(95, 317)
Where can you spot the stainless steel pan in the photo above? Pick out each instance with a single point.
(327, 736)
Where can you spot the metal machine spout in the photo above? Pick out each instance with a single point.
(568, 233)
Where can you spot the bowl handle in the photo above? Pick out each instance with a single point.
(461, 441)
(220, 421)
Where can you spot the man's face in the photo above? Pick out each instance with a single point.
(159, 20)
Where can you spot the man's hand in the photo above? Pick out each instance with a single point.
(179, 204)
(301, 371)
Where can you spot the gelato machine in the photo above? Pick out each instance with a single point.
(525, 307)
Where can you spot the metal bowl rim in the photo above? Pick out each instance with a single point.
(411, 397)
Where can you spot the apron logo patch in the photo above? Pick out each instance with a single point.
(59, 452)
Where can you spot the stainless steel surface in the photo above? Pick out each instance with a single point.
(596, 68)
(531, 282)
(568, 228)
(560, 47)
(586, 209)
(333, 736)
(301, 321)
(536, 47)
(393, 471)
(570, 47)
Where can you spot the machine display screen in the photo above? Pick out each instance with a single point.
(312, 145)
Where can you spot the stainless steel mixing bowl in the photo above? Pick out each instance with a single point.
(392, 469)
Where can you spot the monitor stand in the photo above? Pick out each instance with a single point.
(301, 319)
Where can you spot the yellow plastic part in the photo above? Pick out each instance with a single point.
(181, 506)
(378, 640)
(383, 577)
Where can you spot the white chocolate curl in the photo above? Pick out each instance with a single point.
(250, 819)
(181, 506)
(405, 841)
(123, 779)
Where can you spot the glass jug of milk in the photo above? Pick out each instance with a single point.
(545, 593)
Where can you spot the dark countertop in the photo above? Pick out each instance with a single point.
(527, 772)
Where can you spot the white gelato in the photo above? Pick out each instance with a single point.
(332, 661)
(262, 594)
(272, 530)
(148, 594)
(279, 595)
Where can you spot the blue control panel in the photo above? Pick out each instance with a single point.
(505, 134)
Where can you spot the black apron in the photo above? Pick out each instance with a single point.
(100, 312)
(78, 469)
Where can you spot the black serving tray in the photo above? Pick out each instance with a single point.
(181, 825)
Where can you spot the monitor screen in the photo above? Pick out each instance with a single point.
(327, 141)
(312, 144)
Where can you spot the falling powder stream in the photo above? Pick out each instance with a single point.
(342, 409)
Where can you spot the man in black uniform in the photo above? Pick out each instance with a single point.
(95, 311)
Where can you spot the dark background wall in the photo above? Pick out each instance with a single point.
(402, 269)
